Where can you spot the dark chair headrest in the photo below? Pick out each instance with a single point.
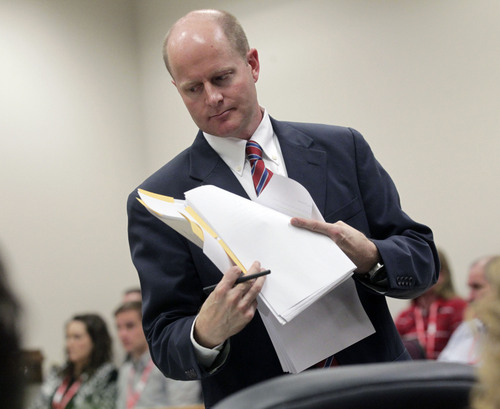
(395, 385)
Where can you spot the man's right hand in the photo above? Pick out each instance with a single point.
(228, 309)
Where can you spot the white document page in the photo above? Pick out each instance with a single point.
(303, 264)
(328, 326)
(289, 197)
(332, 323)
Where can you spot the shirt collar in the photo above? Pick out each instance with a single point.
(232, 150)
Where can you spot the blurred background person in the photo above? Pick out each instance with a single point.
(487, 394)
(88, 378)
(140, 382)
(466, 342)
(132, 294)
(478, 282)
(11, 381)
(427, 324)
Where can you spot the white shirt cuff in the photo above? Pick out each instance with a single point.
(205, 356)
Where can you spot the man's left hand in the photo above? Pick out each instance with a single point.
(362, 251)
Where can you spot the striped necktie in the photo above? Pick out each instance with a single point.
(326, 363)
(260, 174)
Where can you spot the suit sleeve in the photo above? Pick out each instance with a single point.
(406, 247)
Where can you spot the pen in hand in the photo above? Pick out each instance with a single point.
(241, 279)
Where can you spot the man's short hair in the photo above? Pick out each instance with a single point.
(130, 306)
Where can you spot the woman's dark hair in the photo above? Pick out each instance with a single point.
(101, 340)
(11, 379)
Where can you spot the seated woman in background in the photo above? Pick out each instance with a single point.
(427, 324)
(487, 393)
(88, 379)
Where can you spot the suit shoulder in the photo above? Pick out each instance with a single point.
(323, 135)
(171, 179)
(317, 127)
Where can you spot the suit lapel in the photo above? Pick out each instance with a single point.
(208, 168)
(304, 162)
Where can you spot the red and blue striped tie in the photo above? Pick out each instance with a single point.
(260, 174)
(326, 363)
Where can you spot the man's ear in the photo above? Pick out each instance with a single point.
(253, 62)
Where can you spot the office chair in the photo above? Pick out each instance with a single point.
(395, 385)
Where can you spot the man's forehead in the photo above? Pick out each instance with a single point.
(128, 315)
(477, 280)
(477, 272)
(195, 51)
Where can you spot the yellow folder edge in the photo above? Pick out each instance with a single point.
(232, 256)
(157, 196)
(194, 227)
(205, 226)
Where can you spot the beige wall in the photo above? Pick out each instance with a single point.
(71, 151)
(87, 111)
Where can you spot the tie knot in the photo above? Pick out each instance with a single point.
(253, 151)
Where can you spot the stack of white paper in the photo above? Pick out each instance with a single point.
(305, 319)
(304, 265)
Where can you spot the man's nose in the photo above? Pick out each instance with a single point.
(213, 95)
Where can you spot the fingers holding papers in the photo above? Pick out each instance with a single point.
(229, 308)
(352, 242)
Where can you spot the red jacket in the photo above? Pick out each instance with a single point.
(433, 328)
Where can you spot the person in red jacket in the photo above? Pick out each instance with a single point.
(427, 324)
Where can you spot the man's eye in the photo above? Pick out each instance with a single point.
(194, 89)
(222, 78)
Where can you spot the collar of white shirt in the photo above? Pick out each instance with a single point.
(232, 150)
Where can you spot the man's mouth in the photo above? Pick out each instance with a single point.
(220, 114)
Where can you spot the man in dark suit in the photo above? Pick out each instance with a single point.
(220, 339)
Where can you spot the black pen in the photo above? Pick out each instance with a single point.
(240, 280)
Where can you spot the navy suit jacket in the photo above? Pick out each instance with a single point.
(337, 167)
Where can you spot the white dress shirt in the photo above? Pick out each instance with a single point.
(157, 390)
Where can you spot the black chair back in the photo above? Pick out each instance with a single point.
(395, 385)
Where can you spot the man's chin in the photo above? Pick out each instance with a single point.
(223, 128)
(222, 132)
